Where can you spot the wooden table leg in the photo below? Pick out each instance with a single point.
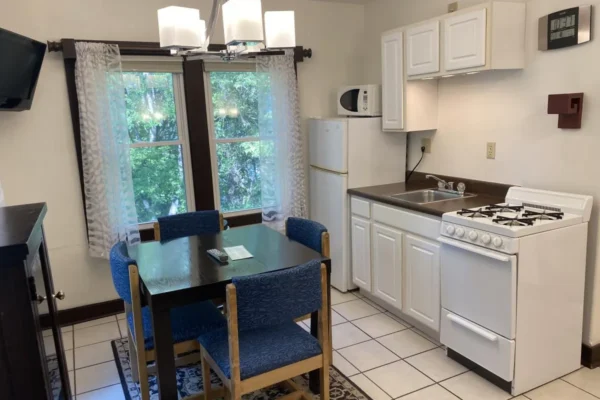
(314, 383)
(165, 357)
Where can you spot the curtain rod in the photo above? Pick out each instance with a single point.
(67, 46)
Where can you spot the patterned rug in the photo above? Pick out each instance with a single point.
(189, 381)
(55, 382)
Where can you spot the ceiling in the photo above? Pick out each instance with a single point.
(347, 1)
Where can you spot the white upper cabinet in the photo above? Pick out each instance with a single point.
(387, 265)
(407, 106)
(393, 81)
(423, 49)
(488, 36)
(465, 40)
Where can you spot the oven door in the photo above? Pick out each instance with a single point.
(480, 285)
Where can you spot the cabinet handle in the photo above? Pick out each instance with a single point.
(475, 329)
(40, 299)
(60, 295)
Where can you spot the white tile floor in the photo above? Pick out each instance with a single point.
(92, 369)
(382, 354)
(390, 359)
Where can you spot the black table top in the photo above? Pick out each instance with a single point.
(179, 272)
(17, 227)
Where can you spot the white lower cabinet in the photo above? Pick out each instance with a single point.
(387, 264)
(396, 258)
(361, 253)
(422, 274)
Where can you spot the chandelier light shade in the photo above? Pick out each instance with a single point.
(181, 28)
(280, 29)
(242, 20)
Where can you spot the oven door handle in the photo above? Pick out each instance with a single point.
(474, 249)
(471, 327)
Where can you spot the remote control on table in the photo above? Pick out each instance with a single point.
(218, 255)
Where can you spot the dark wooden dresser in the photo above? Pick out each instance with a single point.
(27, 369)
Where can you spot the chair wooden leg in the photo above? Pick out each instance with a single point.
(330, 329)
(206, 376)
(234, 393)
(144, 385)
(325, 383)
(133, 358)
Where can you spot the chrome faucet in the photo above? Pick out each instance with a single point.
(442, 184)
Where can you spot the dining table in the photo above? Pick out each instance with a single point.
(180, 272)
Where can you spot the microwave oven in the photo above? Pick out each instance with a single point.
(359, 101)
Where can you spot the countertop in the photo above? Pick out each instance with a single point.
(486, 193)
(18, 225)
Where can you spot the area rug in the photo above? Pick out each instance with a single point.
(55, 382)
(189, 381)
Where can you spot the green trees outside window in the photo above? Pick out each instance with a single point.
(157, 159)
(158, 153)
(235, 102)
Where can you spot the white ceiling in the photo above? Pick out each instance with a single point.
(347, 1)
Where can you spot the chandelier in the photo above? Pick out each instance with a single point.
(183, 31)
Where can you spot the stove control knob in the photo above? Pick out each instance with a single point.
(497, 242)
(460, 232)
(473, 235)
(486, 239)
(450, 230)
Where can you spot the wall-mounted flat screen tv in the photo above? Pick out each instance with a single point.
(20, 64)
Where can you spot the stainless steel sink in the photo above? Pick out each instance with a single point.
(429, 196)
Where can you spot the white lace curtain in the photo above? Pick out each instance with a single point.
(2, 204)
(282, 171)
(107, 179)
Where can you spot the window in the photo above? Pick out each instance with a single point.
(235, 138)
(159, 152)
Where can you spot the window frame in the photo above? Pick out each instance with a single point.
(244, 66)
(174, 67)
(199, 135)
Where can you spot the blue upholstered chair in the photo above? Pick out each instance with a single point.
(188, 224)
(187, 322)
(310, 233)
(263, 345)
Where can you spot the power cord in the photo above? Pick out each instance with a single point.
(416, 166)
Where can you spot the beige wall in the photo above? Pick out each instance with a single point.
(37, 156)
(509, 108)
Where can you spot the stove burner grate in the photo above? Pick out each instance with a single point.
(545, 215)
(514, 221)
(500, 208)
(480, 213)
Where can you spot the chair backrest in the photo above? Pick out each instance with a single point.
(119, 267)
(307, 232)
(277, 297)
(189, 224)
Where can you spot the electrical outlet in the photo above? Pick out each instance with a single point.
(426, 142)
(491, 150)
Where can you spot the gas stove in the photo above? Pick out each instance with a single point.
(516, 264)
(513, 220)
(525, 212)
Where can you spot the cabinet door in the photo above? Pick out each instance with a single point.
(423, 49)
(422, 266)
(361, 253)
(387, 265)
(465, 38)
(393, 81)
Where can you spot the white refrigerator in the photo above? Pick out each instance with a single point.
(348, 153)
